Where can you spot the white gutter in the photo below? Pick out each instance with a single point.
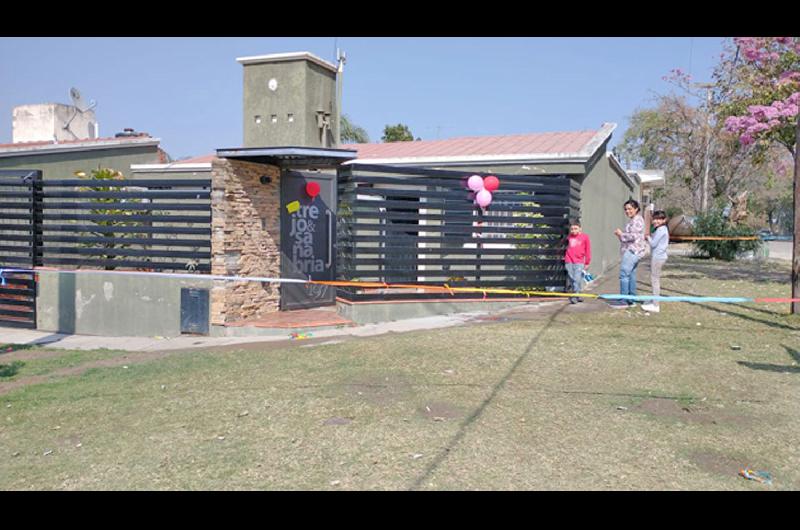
(461, 160)
(632, 179)
(73, 147)
(175, 167)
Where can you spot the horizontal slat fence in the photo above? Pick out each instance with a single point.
(17, 289)
(119, 224)
(144, 224)
(421, 226)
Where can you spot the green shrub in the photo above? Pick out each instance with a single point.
(712, 223)
(673, 211)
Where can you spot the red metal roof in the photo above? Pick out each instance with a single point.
(519, 144)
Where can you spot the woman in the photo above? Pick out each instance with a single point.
(632, 248)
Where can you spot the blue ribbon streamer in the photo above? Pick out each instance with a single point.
(726, 300)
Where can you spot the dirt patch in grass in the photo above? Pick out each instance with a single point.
(123, 360)
(8, 386)
(29, 355)
(378, 389)
(441, 410)
(337, 421)
(717, 463)
(692, 413)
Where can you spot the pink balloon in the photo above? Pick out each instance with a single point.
(491, 183)
(483, 198)
(475, 183)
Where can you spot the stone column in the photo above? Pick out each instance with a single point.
(245, 239)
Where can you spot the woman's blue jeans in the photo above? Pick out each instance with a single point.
(627, 274)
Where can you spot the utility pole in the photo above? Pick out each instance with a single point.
(340, 59)
(707, 163)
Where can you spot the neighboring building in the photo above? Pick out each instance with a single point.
(53, 122)
(60, 160)
(582, 155)
(289, 99)
(651, 179)
(196, 167)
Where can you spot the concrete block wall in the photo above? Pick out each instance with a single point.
(110, 304)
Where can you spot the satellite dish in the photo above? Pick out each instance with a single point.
(79, 102)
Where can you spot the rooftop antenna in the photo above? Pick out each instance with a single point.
(80, 105)
(79, 102)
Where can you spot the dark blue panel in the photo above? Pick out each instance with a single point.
(194, 311)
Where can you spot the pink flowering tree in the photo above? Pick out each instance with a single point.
(760, 84)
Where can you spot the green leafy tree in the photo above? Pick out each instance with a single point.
(715, 223)
(397, 133)
(352, 133)
(106, 207)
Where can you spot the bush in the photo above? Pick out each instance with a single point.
(673, 211)
(712, 223)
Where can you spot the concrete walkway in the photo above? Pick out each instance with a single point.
(89, 342)
(780, 250)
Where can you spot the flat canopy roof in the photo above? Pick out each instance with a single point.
(316, 157)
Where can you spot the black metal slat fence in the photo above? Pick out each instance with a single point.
(420, 226)
(128, 223)
(17, 243)
(152, 224)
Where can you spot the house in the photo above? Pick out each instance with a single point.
(59, 160)
(288, 205)
(581, 155)
(652, 180)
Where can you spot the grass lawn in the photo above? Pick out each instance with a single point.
(560, 397)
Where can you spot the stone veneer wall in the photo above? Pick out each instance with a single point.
(245, 239)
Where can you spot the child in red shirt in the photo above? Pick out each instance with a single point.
(577, 257)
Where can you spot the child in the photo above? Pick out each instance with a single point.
(658, 250)
(578, 256)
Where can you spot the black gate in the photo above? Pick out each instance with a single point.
(421, 226)
(308, 238)
(17, 247)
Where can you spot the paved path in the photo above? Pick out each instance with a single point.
(780, 250)
(90, 342)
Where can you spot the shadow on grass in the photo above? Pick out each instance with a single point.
(734, 313)
(757, 272)
(10, 370)
(479, 410)
(784, 369)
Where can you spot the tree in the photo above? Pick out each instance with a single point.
(675, 136)
(106, 207)
(772, 202)
(397, 133)
(761, 77)
(352, 133)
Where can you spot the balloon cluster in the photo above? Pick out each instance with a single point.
(483, 188)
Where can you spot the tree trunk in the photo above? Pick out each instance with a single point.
(796, 240)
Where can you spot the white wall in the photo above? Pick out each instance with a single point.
(47, 121)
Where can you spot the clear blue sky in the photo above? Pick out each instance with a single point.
(188, 91)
